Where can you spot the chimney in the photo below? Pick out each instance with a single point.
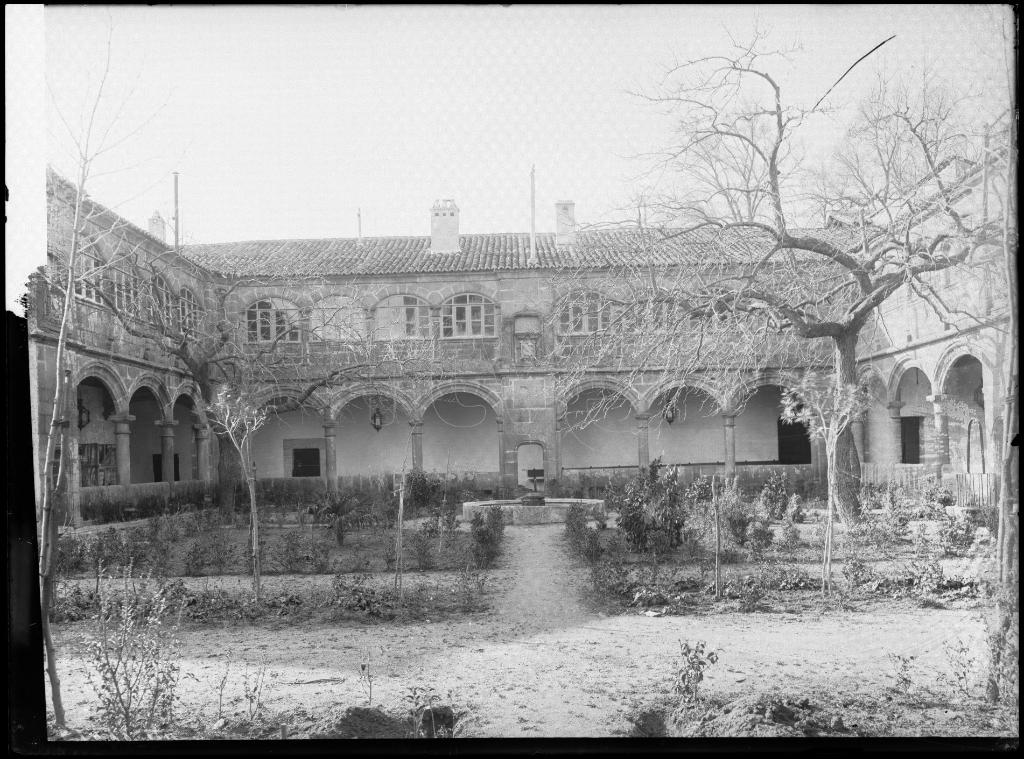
(158, 227)
(444, 227)
(565, 223)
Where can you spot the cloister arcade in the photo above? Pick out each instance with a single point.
(934, 417)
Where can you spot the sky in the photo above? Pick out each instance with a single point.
(282, 121)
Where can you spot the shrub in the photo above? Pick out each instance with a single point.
(651, 503)
(790, 537)
(422, 491)
(699, 491)
(736, 516)
(872, 532)
(795, 508)
(319, 555)
(695, 659)
(774, 498)
(485, 541)
(70, 556)
(287, 556)
(759, 535)
(422, 543)
(936, 498)
(134, 663)
(956, 536)
(575, 525)
(495, 519)
(389, 548)
(353, 594)
(591, 546)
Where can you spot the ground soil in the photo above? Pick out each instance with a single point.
(543, 662)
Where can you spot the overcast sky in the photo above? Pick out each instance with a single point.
(283, 121)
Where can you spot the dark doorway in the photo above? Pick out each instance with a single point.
(158, 472)
(910, 434)
(794, 443)
(306, 462)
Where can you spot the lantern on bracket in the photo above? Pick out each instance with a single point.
(376, 419)
(84, 416)
(670, 412)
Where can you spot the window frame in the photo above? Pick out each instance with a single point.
(460, 314)
(89, 261)
(188, 310)
(412, 315)
(590, 315)
(271, 320)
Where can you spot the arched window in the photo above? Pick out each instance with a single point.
(126, 291)
(87, 274)
(585, 314)
(402, 317)
(337, 319)
(188, 310)
(268, 320)
(467, 316)
(164, 306)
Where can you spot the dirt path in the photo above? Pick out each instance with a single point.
(538, 663)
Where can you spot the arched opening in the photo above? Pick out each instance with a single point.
(97, 443)
(291, 444)
(460, 436)
(146, 460)
(964, 388)
(530, 466)
(686, 428)
(762, 437)
(365, 450)
(915, 435)
(598, 432)
(186, 466)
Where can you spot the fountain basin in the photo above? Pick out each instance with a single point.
(550, 511)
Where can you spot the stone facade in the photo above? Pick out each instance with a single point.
(494, 416)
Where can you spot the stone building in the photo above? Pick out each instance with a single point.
(494, 417)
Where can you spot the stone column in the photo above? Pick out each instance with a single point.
(123, 433)
(166, 450)
(729, 437)
(202, 451)
(857, 426)
(896, 429)
(417, 444)
(939, 449)
(503, 487)
(331, 456)
(74, 474)
(643, 440)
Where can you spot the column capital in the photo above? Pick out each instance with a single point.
(894, 408)
(166, 427)
(729, 420)
(417, 426)
(121, 418)
(330, 428)
(643, 416)
(202, 430)
(937, 398)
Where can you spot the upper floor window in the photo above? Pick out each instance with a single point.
(188, 310)
(337, 319)
(267, 320)
(126, 291)
(87, 274)
(402, 317)
(584, 315)
(164, 303)
(467, 316)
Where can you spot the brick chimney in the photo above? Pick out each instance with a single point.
(565, 223)
(158, 227)
(444, 227)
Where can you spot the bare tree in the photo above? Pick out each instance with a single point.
(899, 169)
(72, 232)
(826, 409)
(238, 414)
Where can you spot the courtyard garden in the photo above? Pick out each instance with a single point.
(619, 625)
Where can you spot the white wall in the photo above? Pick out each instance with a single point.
(608, 441)
(465, 425)
(693, 438)
(268, 445)
(757, 431)
(185, 440)
(362, 450)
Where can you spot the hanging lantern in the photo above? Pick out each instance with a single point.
(670, 412)
(376, 419)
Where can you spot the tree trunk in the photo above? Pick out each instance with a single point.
(229, 474)
(847, 463)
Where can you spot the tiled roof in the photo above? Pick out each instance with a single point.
(483, 252)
